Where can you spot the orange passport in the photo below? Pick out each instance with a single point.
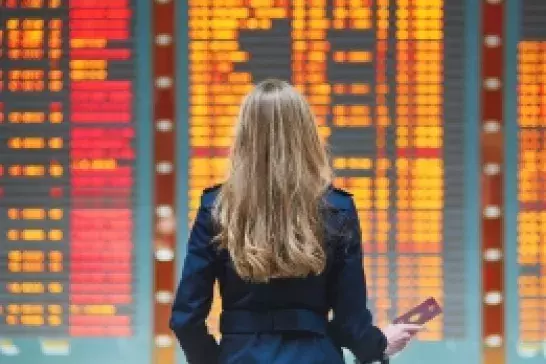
(420, 314)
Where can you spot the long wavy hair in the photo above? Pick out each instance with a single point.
(268, 209)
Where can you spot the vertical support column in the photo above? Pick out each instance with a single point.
(492, 182)
(164, 182)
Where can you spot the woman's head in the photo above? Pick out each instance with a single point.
(268, 208)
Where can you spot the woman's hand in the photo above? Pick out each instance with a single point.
(398, 336)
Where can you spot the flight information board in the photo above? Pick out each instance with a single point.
(386, 81)
(526, 149)
(68, 178)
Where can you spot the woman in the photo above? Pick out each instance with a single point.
(285, 247)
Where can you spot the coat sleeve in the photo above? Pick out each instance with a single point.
(194, 295)
(352, 325)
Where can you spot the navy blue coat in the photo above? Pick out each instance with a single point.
(285, 320)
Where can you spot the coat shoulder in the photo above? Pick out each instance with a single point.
(209, 195)
(212, 188)
(339, 199)
(342, 191)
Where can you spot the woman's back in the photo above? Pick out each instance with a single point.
(284, 245)
(285, 319)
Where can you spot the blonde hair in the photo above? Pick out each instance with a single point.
(268, 209)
